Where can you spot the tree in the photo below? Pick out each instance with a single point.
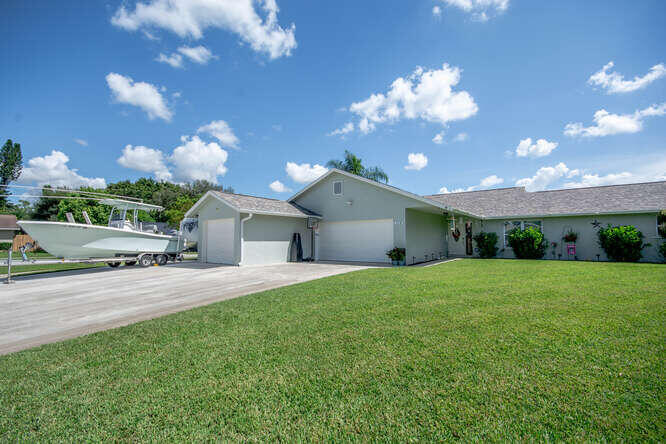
(354, 165)
(11, 165)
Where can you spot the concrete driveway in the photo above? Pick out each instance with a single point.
(51, 307)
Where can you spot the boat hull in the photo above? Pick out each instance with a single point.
(81, 241)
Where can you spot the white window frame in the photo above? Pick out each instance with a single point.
(342, 191)
(522, 227)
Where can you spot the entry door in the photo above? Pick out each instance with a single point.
(359, 240)
(468, 239)
(220, 241)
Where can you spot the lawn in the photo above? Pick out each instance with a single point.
(473, 350)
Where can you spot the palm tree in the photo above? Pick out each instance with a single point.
(354, 165)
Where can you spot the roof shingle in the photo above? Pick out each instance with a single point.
(513, 202)
(251, 204)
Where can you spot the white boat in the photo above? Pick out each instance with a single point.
(71, 240)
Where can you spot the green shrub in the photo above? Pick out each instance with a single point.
(529, 243)
(621, 243)
(662, 251)
(4, 246)
(487, 244)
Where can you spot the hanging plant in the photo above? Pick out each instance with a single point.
(571, 236)
(456, 234)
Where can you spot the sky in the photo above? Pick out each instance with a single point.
(444, 95)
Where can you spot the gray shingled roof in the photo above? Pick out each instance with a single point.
(508, 202)
(251, 204)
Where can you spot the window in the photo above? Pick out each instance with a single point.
(661, 223)
(522, 224)
(337, 188)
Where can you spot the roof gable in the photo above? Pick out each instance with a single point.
(253, 204)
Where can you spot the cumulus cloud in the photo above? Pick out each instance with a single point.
(304, 172)
(197, 54)
(141, 94)
(81, 142)
(222, 132)
(195, 159)
(416, 161)
(540, 148)
(436, 11)
(174, 60)
(278, 187)
(486, 182)
(439, 138)
(258, 27)
(614, 82)
(607, 124)
(426, 95)
(53, 170)
(145, 159)
(546, 176)
(346, 129)
(481, 10)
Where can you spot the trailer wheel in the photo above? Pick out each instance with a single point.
(130, 263)
(146, 260)
(113, 264)
(161, 259)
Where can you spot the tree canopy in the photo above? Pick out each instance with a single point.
(11, 165)
(353, 164)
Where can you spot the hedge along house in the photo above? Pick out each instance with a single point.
(581, 210)
(344, 217)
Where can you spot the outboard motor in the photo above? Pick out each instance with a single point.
(189, 230)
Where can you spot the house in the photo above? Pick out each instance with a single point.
(344, 217)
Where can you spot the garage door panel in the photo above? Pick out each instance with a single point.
(220, 241)
(360, 240)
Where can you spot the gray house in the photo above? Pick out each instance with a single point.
(344, 217)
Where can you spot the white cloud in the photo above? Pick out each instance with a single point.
(614, 82)
(279, 187)
(461, 137)
(198, 54)
(486, 182)
(491, 181)
(222, 132)
(416, 161)
(81, 142)
(346, 129)
(595, 180)
(607, 124)
(544, 177)
(189, 18)
(145, 159)
(439, 138)
(540, 148)
(141, 94)
(52, 170)
(304, 172)
(436, 11)
(198, 160)
(480, 9)
(175, 60)
(426, 95)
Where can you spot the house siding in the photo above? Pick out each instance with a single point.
(268, 239)
(426, 236)
(587, 246)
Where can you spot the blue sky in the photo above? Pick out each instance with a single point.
(256, 91)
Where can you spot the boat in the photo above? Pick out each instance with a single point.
(121, 238)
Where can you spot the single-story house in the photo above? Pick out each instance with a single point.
(345, 217)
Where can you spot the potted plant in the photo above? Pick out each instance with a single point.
(397, 256)
(570, 237)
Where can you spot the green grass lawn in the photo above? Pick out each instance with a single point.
(473, 350)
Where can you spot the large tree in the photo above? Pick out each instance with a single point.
(11, 165)
(353, 164)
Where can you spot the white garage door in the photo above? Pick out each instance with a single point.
(359, 240)
(220, 241)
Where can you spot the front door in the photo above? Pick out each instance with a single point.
(468, 239)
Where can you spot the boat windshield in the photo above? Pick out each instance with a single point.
(117, 218)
